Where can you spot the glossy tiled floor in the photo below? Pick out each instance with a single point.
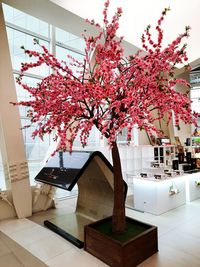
(14, 255)
(179, 238)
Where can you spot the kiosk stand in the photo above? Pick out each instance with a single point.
(93, 174)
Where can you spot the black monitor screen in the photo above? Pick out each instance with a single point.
(63, 168)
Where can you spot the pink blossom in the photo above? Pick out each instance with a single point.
(111, 93)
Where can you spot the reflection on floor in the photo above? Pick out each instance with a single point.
(179, 238)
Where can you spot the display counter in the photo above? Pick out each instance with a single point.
(158, 196)
(192, 182)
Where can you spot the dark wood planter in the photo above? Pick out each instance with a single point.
(117, 253)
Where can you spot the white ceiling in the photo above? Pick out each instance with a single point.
(138, 14)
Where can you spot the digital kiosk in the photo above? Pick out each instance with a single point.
(93, 174)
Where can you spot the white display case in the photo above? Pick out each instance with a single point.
(158, 196)
(135, 158)
(192, 186)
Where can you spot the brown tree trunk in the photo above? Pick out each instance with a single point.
(118, 217)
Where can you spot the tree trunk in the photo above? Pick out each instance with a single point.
(118, 217)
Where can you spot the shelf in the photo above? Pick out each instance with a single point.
(164, 154)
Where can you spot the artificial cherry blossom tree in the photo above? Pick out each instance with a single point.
(111, 93)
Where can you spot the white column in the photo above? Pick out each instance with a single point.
(11, 139)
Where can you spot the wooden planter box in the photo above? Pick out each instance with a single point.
(121, 254)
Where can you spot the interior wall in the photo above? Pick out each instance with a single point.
(143, 138)
(9, 114)
(185, 129)
(11, 138)
(170, 130)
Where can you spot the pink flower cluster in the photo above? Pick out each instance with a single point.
(111, 91)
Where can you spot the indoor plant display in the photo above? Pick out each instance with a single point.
(109, 91)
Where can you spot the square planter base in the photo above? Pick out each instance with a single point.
(117, 250)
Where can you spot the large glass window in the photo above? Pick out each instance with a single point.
(195, 97)
(195, 91)
(25, 21)
(17, 39)
(69, 44)
(70, 40)
(21, 30)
